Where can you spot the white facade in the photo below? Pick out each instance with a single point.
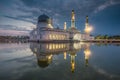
(49, 35)
(46, 32)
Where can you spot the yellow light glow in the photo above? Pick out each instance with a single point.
(65, 26)
(50, 56)
(57, 46)
(53, 46)
(73, 16)
(65, 55)
(50, 46)
(72, 63)
(87, 53)
(72, 67)
(50, 26)
(88, 29)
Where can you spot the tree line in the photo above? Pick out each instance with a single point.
(13, 38)
(107, 37)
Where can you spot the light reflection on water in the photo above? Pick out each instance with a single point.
(59, 61)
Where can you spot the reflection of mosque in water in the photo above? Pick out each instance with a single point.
(87, 53)
(44, 52)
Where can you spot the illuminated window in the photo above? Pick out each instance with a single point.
(57, 46)
(53, 46)
(50, 46)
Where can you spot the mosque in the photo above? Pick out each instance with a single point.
(46, 32)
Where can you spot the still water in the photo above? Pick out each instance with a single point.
(59, 61)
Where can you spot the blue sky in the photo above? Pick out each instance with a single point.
(19, 17)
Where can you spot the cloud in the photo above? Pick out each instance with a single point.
(59, 9)
(17, 10)
(15, 24)
(55, 8)
(27, 11)
(25, 19)
(12, 27)
(12, 32)
(106, 4)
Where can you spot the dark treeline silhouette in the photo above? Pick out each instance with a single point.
(13, 38)
(107, 37)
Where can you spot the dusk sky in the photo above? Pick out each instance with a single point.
(19, 17)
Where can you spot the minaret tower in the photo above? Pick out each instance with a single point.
(50, 23)
(86, 30)
(65, 26)
(73, 19)
(86, 24)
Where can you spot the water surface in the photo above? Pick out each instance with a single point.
(59, 61)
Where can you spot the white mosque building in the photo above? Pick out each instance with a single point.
(46, 32)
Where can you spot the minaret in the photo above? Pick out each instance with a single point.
(86, 30)
(73, 19)
(50, 23)
(65, 26)
(86, 24)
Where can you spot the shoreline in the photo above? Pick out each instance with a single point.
(62, 41)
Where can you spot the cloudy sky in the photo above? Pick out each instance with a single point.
(19, 17)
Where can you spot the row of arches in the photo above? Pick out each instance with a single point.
(55, 46)
(57, 37)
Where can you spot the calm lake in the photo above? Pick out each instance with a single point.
(59, 61)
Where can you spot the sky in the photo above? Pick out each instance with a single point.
(19, 17)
